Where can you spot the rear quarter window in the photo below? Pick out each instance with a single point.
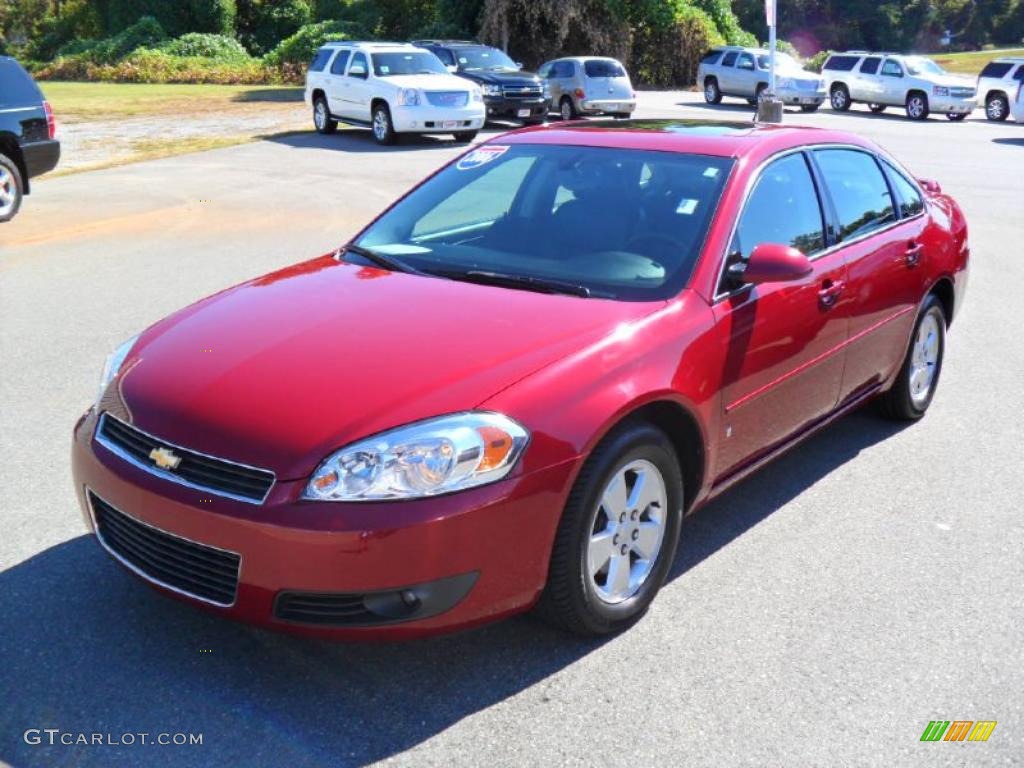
(16, 86)
(710, 57)
(320, 59)
(996, 69)
(841, 63)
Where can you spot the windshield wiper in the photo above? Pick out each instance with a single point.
(383, 260)
(523, 282)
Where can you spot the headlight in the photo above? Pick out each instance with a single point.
(438, 456)
(940, 90)
(475, 95)
(113, 364)
(547, 89)
(492, 90)
(408, 97)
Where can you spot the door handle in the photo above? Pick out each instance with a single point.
(830, 292)
(913, 253)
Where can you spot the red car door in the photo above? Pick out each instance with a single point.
(784, 341)
(883, 243)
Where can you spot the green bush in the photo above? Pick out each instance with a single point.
(175, 16)
(144, 33)
(150, 66)
(265, 23)
(298, 49)
(817, 61)
(667, 55)
(206, 46)
(726, 22)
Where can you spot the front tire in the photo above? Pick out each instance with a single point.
(956, 117)
(809, 107)
(618, 534)
(915, 385)
(917, 106)
(383, 129)
(464, 137)
(877, 108)
(840, 98)
(11, 188)
(712, 93)
(997, 108)
(322, 117)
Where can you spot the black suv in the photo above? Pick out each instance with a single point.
(27, 146)
(509, 92)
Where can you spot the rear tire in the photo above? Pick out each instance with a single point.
(712, 93)
(464, 137)
(917, 106)
(566, 109)
(383, 129)
(956, 117)
(840, 98)
(915, 385)
(322, 117)
(997, 107)
(606, 515)
(11, 188)
(809, 107)
(877, 108)
(622, 115)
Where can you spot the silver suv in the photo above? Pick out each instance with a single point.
(998, 84)
(743, 72)
(882, 80)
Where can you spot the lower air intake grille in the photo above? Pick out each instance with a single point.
(323, 608)
(185, 566)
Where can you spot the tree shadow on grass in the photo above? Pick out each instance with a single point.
(86, 648)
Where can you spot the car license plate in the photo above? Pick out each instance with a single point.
(523, 113)
(450, 124)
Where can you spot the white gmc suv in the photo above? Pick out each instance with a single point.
(392, 88)
(882, 80)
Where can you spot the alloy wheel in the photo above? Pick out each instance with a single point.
(995, 109)
(566, 110)
(915, 107)
(380, 125)
(924, 359)
(8, 193)
(839, 98)
(710, 92)
(627, 531)
(320, 115)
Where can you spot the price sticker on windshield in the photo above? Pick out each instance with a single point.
(481, 156)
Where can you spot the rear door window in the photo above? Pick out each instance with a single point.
(870, 65)
(338, 67)
(892, 68)
(858, 190)
(16, 86)
(910, 201)
(746, 61)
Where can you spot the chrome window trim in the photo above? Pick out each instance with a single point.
(157, 472)
(89, 493)
(756, 175)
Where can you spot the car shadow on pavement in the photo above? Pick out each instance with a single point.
(270, 94)
(86, 648)
(360, 140)
(1010, 142)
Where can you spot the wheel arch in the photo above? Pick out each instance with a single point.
(318, 93)
(943, 289)
(992, 93)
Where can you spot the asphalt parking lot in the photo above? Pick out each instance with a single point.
(819, 614)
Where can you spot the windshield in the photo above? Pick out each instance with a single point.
(921, 66)
(415, 63)
(623, 224)
(782, 61)
(603, 68)
(483, 58)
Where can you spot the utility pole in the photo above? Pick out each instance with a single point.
(769, 108)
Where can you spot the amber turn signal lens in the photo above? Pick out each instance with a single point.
(326, 480)
(497, 444)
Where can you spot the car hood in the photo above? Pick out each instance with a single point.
(436, 82)
(280, 371)
(501, 78)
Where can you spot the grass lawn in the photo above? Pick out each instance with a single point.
(972, 62)
(103, 101)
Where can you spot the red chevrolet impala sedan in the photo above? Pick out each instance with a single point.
(507, 391)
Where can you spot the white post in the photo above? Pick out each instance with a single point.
(770, 11)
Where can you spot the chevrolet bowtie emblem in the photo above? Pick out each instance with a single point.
(165, 458)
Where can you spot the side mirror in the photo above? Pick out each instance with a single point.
(930, 186)
(357, 70)
(453, 68)
(519, 64)
(771, 263)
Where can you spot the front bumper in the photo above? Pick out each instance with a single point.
(466, 558)
(429, 119)
(800, 97)
(499, 106)
(607, 106)
(951, 105)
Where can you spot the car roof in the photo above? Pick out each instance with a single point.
(587, 58)
(370, 45)
(702, 137)
(1006, 59)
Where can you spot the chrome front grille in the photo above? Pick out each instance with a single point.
(196, 470)
(532, 91)
(962, 93)
(448, 98)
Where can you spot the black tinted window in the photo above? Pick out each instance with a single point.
(782, 208)
(1019, 74)
(910, 199)
(447, 57)
(729, 59)
(603, 68)
(841, 63)
(870, 65)
(858, 190)
(996, 69)
(710, 57)
(565, 69)
(338, 67)
(16, 87)
(320, 59)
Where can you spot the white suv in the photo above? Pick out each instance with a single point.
(998, 84)
(392, 88)
(882, 80)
